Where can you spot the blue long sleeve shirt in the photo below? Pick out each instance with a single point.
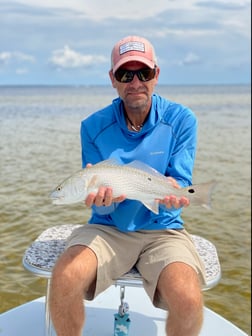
(167, 142)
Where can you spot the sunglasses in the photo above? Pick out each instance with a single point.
(126, 76)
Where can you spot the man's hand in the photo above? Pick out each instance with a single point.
(173, 201)
(104, 196)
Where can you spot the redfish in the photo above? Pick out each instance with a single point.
(135, 180)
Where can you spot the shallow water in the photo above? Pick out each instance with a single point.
(39, 133)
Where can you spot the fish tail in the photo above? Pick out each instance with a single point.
(200, 194)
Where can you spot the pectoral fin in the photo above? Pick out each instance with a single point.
(93, 184)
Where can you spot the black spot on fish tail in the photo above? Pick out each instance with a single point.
(200, 194)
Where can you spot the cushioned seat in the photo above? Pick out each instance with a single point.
(41, 255)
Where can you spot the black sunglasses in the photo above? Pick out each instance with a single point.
(126, 76)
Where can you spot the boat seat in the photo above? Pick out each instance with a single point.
(41, 256)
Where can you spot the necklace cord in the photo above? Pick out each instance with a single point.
(136, 128)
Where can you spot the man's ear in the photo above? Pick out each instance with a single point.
(157, 72)
(112, 78)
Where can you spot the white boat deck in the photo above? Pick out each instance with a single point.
(28, 319)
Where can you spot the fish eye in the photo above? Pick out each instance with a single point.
(191, 191)
(59, 188)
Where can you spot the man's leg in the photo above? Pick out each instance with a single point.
(72, 276)
(179, 286)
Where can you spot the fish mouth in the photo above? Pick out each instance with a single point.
(55, 198)
(55, 201)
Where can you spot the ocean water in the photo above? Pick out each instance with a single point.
(40, 145)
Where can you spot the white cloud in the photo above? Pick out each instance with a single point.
(225, 4)
(22, 71)
(6, 57)
(68, 58)
(99, 9)
(191, 58)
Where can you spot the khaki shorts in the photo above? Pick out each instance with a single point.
(150, 251)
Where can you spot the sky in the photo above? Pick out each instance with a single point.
(69, 42)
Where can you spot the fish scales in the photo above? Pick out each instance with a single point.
(137, 181)
(131, 182)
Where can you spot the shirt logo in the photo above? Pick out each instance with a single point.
(157, 153)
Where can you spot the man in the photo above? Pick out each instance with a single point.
(139, 125)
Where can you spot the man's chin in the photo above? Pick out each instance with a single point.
(136, 101)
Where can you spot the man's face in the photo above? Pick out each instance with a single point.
(136, 94)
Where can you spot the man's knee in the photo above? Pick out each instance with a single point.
(179, 286)
(76, 268)
(191, 303)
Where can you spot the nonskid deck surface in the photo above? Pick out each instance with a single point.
(28, 319)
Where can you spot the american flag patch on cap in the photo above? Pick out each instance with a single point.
(130, 46)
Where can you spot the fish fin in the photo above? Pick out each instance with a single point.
(108, 162)
(146, 168)
(136, 164)
(152, 206)
(93, 183)
(200, 194)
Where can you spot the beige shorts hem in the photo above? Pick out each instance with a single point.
(150, 251)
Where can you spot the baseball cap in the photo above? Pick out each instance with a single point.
(133, 48)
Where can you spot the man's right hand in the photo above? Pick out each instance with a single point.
(103, 197)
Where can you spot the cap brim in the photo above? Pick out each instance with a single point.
(127, 59)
